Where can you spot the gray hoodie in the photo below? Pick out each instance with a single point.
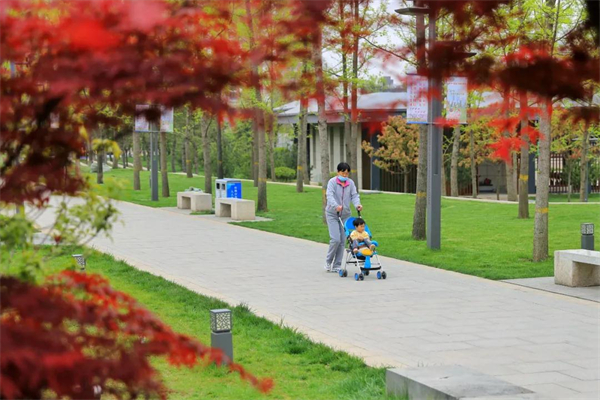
(338, 195)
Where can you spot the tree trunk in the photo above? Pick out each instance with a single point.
(272, 137)
(454, 163)
(420, 214)
(540, 232)
(583, 166)
(206, 155)
(196, 162)
(511, 184)
(256, 124)
(124, 159)
(322, 120)
(255, 151)
(354, 100)
(163, 164)
(100, 170)
(90, 153)
(419, 217)
(444, 178)
(188, 150)
(115, 161)
(219, 150)
(173, 152)
(259, 124)
(301, 159)
(183, 142)
(137, 160)
(272, 155)
(347, 124)
(148, 158)
(474, 182)
(570, 170)
(306, 166)
(524, 167)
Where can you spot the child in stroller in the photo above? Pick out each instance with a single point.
(361, 249)
(360, 239)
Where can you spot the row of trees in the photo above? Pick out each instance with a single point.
(75, 70)
(471, 145)
(71, 73)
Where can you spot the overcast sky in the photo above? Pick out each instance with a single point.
(378, 66)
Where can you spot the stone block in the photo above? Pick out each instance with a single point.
(448, 383)
(236, 209)
(196, 201)
(577, 267)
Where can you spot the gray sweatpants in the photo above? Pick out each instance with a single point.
(337, 239)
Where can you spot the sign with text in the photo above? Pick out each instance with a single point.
(166, 119)
(418, 105)
(456, 99)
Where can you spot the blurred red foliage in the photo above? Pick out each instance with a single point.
(76, 334)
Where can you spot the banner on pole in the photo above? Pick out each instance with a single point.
(166, 119)
(456, 99)
(418, 104)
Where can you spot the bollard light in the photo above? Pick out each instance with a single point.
(220, 320)
(80, 261)
(220, 338)
(587, 236)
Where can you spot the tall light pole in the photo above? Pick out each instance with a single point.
(434, 142)
(154, 128)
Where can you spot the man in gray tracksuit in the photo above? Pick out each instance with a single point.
(341, 190)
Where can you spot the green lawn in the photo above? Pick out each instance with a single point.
(300, 368)
(562, 198)
(482, 239)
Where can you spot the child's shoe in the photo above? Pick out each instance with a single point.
(372, 247)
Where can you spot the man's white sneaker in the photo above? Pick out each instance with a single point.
(327, 267)
(336, 269)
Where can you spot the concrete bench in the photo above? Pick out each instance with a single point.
(237, 209)
(577, 268)
(196, 201)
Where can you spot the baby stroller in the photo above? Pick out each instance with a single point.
(365, 263)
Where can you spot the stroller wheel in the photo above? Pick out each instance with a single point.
(383, 275)
(361, 277)
(366, 273)
(378, 275)
(345, 273)
(356, 276)
(341, 273)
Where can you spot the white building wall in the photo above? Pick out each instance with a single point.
(337, 152)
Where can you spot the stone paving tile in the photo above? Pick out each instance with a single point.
(551, 389)
(548, 366)
(419, 316)
(543, 377)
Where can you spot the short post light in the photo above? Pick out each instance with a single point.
(220, 337)
(80, 261)
(587, 236)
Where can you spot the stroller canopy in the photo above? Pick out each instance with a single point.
(349, 227)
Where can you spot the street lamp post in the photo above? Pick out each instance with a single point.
(434, 142)
(154, 160)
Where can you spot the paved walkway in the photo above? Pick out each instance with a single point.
(419, 316)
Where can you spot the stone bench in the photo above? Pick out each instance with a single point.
(577, 267)
(196, 201)
(237, 209)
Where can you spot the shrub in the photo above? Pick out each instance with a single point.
(285, 173)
